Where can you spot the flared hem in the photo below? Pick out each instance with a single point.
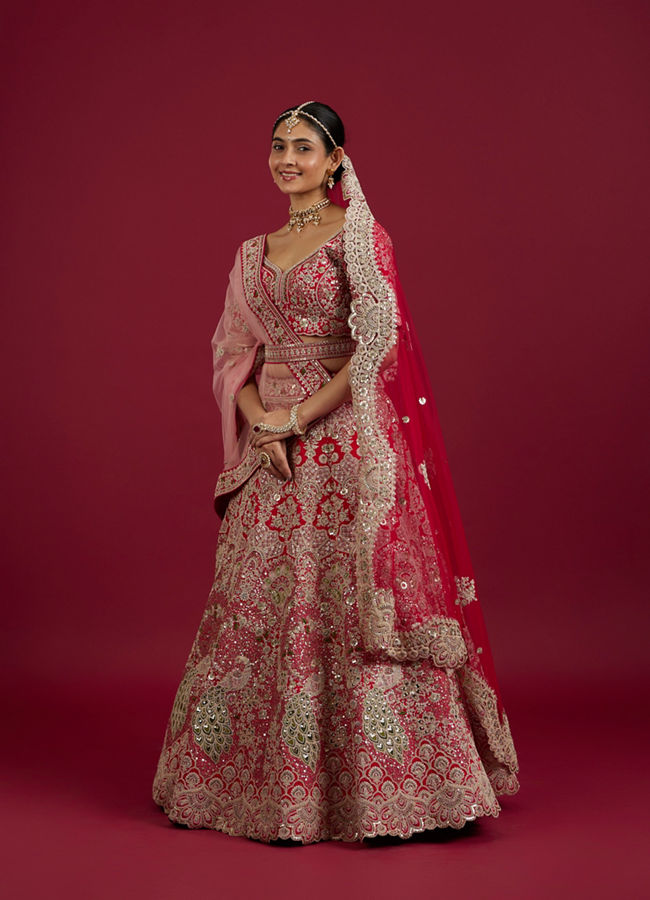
(286, 832)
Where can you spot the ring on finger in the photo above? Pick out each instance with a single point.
(265, 460)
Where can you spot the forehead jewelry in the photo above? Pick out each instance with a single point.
(292, 119)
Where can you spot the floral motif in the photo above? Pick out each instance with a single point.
(328, 451)
(333, 510)
(279, 584)
(285, 518)
(466, 587)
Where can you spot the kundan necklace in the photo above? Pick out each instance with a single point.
(301, 217)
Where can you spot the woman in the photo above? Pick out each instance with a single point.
(340, 685)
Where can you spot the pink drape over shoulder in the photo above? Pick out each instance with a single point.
(237, 348)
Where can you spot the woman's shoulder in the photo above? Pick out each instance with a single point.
(247, 242)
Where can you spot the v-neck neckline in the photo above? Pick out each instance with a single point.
(300, 261)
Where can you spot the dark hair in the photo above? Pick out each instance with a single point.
(331, 120)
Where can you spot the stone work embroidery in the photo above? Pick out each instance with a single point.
(382, 727)
(181, 702)
(300, 730)
(466, 590)
(211, 724)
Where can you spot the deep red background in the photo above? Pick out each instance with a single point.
(505, 147)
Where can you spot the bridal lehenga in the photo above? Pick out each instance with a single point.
(341, 683)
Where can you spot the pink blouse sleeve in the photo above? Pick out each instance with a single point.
(237, 353)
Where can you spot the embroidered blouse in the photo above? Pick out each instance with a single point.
(313, 294)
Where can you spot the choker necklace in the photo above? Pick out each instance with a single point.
(301, 217)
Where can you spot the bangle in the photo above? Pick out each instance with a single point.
(293, 420)
(292, 425)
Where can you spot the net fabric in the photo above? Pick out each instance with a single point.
(391, 393)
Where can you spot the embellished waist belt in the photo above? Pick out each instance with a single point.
(278, 353)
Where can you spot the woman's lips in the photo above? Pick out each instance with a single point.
(289, 176)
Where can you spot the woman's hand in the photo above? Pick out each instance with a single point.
(275, 417)
(277, 451)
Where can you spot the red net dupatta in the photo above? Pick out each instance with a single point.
(417, 602)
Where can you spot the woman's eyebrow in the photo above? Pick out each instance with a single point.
(295, 140)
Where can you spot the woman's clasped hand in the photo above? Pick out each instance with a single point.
(273, 443)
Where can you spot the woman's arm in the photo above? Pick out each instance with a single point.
(248, 400)
(325, 399)
(321, 402)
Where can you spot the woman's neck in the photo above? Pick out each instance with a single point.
(303, 201)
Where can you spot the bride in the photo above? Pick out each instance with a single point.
(340, 684)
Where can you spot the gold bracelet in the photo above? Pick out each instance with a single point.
(293, 421)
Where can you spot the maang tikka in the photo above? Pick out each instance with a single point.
(293, 119)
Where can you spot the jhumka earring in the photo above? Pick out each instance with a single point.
(330, 181)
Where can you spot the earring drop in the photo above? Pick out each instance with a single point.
(330, 181)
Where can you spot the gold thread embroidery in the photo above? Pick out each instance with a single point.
(311, 374)
(372, 323)
(483, 708)
(382, 727)
(466, 587)
(211, 726)
(300, 730)
(315, 350)
(181, 702)
(422, 468)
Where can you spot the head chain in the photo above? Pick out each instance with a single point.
(292, 118)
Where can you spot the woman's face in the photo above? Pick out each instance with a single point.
(298, 161)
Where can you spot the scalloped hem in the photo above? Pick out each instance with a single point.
(287, 832)
(503, 783)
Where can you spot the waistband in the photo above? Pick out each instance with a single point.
(301, 352)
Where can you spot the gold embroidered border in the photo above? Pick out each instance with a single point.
(484, 715)
(310, 374)
(230, 479)
(439, 639)
(315, 350)
(373, 325)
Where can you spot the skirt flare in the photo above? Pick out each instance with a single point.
(283, 727)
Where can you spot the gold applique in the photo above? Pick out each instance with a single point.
(181, 702)
(484, 716)
(211, 724)
(300, 730)
(381, 726)
(439, 638)
(466, 588)
(423, 471)
(311, 374)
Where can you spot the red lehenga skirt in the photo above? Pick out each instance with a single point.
(282, 726)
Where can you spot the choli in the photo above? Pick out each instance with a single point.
(313, 294)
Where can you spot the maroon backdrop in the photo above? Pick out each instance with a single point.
(504, 147)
